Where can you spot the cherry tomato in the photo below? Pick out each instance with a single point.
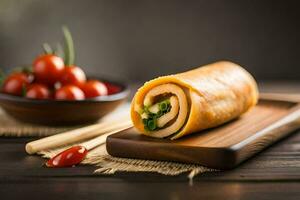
(111, 88)
(69, 157)
(69, 92)
(73, 75)
(48, 69)
(38, 91)
(94, 88)
(15, 83)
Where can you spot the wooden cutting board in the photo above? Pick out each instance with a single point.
(224, 147)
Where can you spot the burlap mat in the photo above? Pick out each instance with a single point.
(98, 156)
(109, 165)
(9, 127)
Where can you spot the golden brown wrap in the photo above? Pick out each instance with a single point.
(201, 98)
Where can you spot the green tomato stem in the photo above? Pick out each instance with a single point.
(69, 47)
(47, 48)
(2, 77)
(59, 51)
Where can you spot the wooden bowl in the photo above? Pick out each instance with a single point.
(62, 112)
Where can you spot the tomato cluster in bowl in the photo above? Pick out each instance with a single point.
(51, 78)
(56, 77)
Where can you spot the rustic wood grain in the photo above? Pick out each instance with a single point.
(223, 147)
(273, 174)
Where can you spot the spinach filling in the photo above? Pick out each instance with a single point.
(152, 113)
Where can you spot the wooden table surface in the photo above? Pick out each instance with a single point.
(272, 174)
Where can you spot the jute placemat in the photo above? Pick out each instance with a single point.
(109, 165)
(9, 127)
(98, 156)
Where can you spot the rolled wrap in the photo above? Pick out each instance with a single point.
(202, 98)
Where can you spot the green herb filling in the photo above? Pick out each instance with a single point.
(150, 123)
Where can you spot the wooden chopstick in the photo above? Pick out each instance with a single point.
(281, 96)
(78, 135)
(91, 144)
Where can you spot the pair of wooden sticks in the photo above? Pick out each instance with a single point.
(97, 131)
(100, 131)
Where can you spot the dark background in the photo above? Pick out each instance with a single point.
(138, 40)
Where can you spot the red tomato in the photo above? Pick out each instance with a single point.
(73, 75)
(38, 91)
(69, 92)
(15, 83)
(48, 69)
(69, 157)
(112, 89)
(94, 88)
